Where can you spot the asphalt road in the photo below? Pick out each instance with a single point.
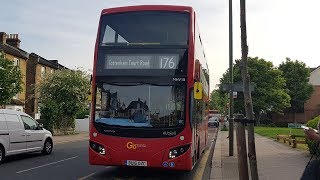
(70, 161)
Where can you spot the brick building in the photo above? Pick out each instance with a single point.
(10, 45)
(33, 69)
(37, 68)
(311, 107)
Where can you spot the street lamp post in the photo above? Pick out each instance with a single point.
(231, 81)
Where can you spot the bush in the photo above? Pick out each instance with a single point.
(281, 124)
(48, 116)
(82, 114)
(63, 95)
(224, 128)
(312, 144)
(272, 125)
(265, 121)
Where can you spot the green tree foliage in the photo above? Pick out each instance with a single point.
(311, 143)
(297, 81)
(10, 81)
(270, 93)
(63, 95)
(219, 101)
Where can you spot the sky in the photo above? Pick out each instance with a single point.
(66, 30)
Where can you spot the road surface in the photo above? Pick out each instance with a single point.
(70, 161)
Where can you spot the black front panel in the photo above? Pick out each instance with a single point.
(138, 132)
(144, 100)
(142, 61)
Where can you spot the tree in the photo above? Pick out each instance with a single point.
(247, 102)
(62, 95)
(297, 82)
(219, 101)
(10, 81)
(270, 93)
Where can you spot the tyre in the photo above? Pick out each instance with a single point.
(47, 147)
(2, 155)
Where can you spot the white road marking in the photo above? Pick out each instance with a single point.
(46, 165)
(86, 177)
(90, 175)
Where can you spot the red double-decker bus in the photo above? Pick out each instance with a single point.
(150, 89)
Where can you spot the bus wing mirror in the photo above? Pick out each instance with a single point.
(197, 90)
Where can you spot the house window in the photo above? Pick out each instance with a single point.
(16, 62)
(43, 71)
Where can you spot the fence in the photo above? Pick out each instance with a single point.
(82, 125)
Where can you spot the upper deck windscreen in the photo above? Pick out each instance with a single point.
(144, 28)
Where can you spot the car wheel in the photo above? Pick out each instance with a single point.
(1, 154)
(47, 148)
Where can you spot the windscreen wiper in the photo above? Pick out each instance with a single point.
(130, 44)
(137, 84)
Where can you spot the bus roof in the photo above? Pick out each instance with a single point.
(146, 8)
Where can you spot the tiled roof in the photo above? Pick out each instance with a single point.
(14, 51)
(312, 69)
(50, 63)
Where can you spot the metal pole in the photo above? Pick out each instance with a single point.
(231, 81)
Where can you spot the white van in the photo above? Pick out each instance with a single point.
(19, 133)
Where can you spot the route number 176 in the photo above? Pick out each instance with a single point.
(168, 62)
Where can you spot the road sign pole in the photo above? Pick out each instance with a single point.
(231, 81)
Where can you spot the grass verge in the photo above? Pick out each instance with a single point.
(272, 132)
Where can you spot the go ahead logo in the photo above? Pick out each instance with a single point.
(131, 145)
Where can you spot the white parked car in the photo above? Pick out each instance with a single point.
(19, 133)
(213, 121)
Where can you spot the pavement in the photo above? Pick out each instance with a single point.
(71, 138)
(275, 160)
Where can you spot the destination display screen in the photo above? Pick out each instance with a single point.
(142, 61)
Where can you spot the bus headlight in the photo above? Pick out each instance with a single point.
(98, 148)
(175, 152)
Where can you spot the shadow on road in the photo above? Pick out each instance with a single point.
(20, 157)
(135, 173)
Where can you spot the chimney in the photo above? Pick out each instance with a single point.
(13, 40)
(3, 37)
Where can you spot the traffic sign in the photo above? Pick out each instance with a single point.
(236, 87)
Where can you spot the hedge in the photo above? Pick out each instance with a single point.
(311, 143)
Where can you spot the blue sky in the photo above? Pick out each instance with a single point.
(66, 30)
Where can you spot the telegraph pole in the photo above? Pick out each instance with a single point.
(231, 81)
(247, 94)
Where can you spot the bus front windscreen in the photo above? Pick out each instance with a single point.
(140, 105)
(144, 28)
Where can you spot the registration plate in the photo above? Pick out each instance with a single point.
(136, 163)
